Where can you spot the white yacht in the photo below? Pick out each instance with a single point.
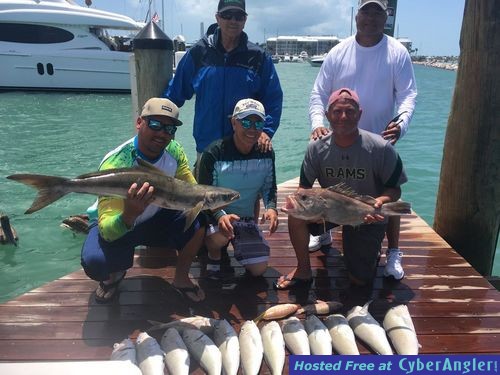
(317, 60)
(59, 45)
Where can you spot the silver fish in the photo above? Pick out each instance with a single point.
(203, 349)
(124, 351)
(367, 329)
(295, 336)
(206, 325)
(400, 329)
(274, 347)
(149, 355)
(251, 348)
(226, 339)
(168, 193)
(176, 353)
(338, 204)
(343, 339)
(320, 340)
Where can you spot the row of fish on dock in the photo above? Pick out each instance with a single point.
(217, 348)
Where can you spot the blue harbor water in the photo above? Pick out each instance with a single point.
(68, 134)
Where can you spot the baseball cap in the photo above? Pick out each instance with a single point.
(231, 4)
(161, 107)
(247, 107)
(341, 93)
(380, 3)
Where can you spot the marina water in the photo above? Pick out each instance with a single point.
(68, 134)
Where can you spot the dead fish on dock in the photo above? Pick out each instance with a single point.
(226, 339)
(367, 329)
(124, 351)
(251, 348)
(400, 329)
(169, 192)
(278, 312)
(7, 232)
(206, 325)
(320, 308)
(295, 336)
(342, 335)
(203, 349)
(77, 223)
(176, 353)
(320, 341)
(338, 204)
(274, 347)
(149, 355)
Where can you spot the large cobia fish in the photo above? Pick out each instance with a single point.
(400, 329)
(342, 335)
(320, 341)
(176, 353)
(149, 355)
(367, 329)
(168, 193)
(338, 204)
(274, 347)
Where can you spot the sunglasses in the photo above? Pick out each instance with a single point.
(156, 126)
(247, 124)
(238, 16)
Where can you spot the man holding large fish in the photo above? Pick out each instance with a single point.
(125, 223)
(360, 174)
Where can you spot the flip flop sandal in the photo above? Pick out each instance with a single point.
(183, 292)
(109, 291)
(293, 283)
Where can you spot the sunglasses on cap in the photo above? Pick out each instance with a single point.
(238, 16)
(156, 126)
(247, 124)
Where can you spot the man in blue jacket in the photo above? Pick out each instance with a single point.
(221, 69)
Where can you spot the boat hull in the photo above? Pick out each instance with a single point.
(104, 71)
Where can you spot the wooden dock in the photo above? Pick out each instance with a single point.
(454, 309)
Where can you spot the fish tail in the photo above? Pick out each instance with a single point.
(396, 208)
(50, 189)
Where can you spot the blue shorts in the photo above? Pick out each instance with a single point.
(99, 258)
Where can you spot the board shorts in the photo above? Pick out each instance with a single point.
(250, 246)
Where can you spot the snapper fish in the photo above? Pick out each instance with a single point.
(169, 192)
(338, 204)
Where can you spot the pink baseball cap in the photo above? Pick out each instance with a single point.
(343, 93)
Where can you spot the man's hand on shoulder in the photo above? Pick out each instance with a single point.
(319, 133)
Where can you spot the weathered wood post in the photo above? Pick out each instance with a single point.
(153, 55)
(468, 202)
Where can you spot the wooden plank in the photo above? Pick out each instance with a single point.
(450, 303)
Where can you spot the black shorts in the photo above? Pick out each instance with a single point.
(362, 245)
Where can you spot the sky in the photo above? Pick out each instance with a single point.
(432, 25)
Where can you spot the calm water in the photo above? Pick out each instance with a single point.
(67, 135)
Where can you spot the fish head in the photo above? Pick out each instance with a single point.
(304, 204)
(219, 197)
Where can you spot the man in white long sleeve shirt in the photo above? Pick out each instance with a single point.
(379, 69)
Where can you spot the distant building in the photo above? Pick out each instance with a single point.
(408, 44)
(294, 45)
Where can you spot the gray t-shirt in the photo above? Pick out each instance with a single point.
(369, 166)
